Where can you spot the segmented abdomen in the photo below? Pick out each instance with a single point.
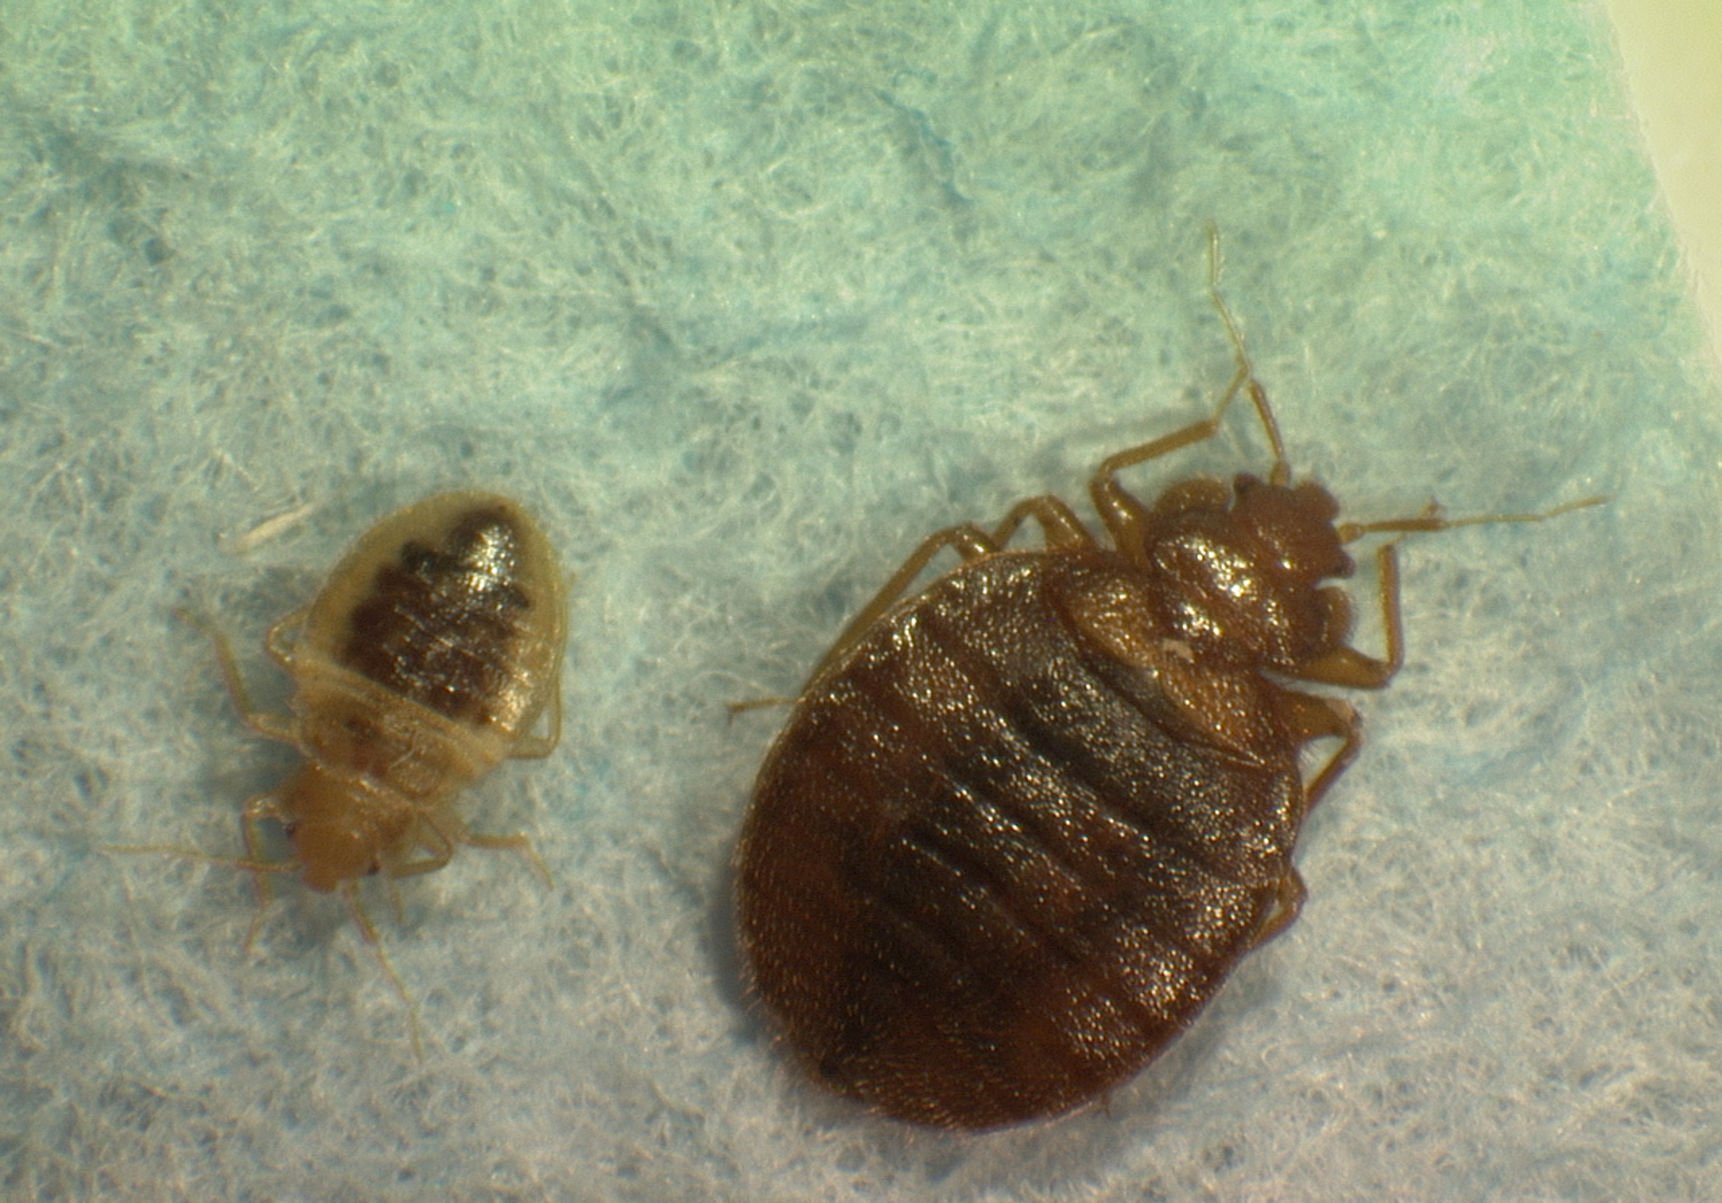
(987, 872)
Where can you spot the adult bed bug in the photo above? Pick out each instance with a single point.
(1021, 825)
(428, 657)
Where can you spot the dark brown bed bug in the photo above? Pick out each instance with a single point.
(1022, 824)
(430, 656)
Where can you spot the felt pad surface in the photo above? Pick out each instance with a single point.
(742, 300)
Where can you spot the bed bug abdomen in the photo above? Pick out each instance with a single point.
(453, 605)
(991, 867)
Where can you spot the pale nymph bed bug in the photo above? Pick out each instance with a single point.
(1022, 823)
(431, 654)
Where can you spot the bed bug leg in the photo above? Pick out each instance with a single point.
(356, 908)
(1059, 525)
(742, 707)
(444, 851)
(1309, 717)
(537, 747)
(518, 843)
(1287, 904)
(267, 725)
(256, 810)
(275, 641)
(968, 540)
(1123, 514)
(257, 867)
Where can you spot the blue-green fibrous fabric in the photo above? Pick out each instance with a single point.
(742, 300)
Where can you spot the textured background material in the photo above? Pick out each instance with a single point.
(742, 299)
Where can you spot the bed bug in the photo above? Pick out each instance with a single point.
(1022, 824)
(430, 656)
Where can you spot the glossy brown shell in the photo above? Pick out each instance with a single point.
(992, 867)
(1022, 824)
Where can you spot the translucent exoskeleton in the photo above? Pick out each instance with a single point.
(432, 654)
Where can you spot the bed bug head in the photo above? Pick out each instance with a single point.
(1292, 526)
(329, 841)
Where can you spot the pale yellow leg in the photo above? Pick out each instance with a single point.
(536, 747)
(350, 892)
(513, 843)
(267, 725)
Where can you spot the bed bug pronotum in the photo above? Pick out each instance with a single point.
(429, 657)
(1022, 824)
